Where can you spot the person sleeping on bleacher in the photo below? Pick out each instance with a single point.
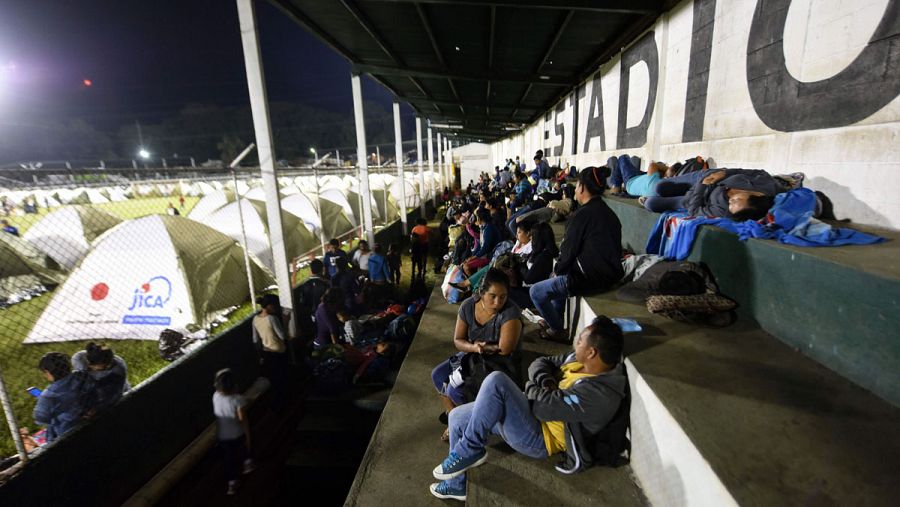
(739, 194)
(575, 404)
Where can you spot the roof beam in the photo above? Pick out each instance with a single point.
(437, 50)
(550, 47)
(303, 20)
(609, 6)
(452, 104)
(534, 79)
(487, 95)
(371, 30)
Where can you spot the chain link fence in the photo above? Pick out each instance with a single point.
(90, 276)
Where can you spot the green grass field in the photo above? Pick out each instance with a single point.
(18, 362)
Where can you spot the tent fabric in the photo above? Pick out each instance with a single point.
(210, 203)
(297, 238)
(411, 191)
(66, 233)
(147, 275)
(23, 268)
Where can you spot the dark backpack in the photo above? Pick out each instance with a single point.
(170, 344)
(612, 447)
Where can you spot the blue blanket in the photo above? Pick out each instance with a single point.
(789, 221)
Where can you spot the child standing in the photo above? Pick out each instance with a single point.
(232, 427)
(394, 262)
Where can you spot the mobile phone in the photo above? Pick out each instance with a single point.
(34, 391)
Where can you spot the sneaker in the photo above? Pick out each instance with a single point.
(444, 491)
(530, 316)
(232, 488)
(455, 465)
(249, 466)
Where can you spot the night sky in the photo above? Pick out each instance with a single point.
(147, 59)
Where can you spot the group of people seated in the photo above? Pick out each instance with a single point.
(348, 309)
(503, 258)
(82, 386)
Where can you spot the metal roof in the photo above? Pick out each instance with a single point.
(485, 67)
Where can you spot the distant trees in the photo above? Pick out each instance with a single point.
(198, 130)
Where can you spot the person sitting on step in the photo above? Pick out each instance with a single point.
(574, 403)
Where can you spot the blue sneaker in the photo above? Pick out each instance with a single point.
(444, 491)
(455, 465)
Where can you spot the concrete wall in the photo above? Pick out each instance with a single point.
(782, 85)
(473, 159)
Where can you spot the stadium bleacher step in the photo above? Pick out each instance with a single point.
(734, 416)
(839, 306)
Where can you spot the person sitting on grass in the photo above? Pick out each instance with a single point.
(108, 370)
(70, 398)
(573, 403)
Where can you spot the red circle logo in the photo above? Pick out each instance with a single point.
(99, 291)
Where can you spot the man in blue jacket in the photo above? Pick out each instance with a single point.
(575, 403)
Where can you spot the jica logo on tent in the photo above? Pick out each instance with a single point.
(155, 293)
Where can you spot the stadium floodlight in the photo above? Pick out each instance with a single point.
(144, 154)
(315, 154)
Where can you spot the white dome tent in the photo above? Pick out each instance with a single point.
(147, 275)
(297, 238)
(210, 203)
(66, 234)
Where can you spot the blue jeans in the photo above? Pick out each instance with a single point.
(511, 224)
(623, 171)
(670, 192)
(501, 408)
(440, 376)
(549, 297)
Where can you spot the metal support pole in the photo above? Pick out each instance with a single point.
(338, 152)
(364, 189)
(259, 106)
(11, 420)
(244, 241)
(440, 161)
(398, 149)
(450, 172)
(419, 163)
(319, 209)
(378, 155)
(431, 164)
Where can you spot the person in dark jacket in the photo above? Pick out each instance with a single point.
(537, 266)
(739, 194)
(571, 402)
(70, 399)
(590, 258)
(308, 295)
(108, 370)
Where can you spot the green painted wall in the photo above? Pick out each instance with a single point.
(845, 315)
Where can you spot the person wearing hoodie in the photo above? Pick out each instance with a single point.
(738, 194)
(108, 370)
(70, 399)
(575, 403)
